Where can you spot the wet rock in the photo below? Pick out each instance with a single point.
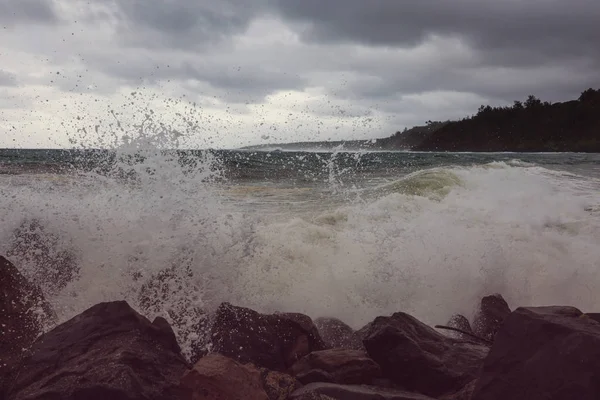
(108, 351)
(492, 312)
(336, 366)
(461, 323)
(172, 291)
(278, 385)
(307, 342)
(23, 314)
(326, 391)
(421, 359)
(274, 341)
(464, 394)
(52, 261)
(550, 353)
(336, 334)
(217, 377)
(594, 316)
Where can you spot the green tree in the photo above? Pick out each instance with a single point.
(532, 102)
(590, 96)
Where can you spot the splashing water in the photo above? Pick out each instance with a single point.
(170, 233)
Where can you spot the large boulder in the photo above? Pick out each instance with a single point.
(108, 351)
(23, 314)
(217, 377)
(273, 341)
(336, 366)
(420, 359)
(492, 312)
(333, 391)
(337, 334)
(549, 353)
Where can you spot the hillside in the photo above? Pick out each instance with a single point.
(534, 126)
(530, 126)
(401, 140)
(409, 138)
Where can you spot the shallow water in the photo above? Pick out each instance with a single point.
(350, 235)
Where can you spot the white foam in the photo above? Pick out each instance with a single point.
(523, 232)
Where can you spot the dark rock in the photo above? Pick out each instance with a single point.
(307, 342)
(491, 313)
(594, 316)
(278, 385)
(464, 394)
(217, 377)
(336, 334)
(352, 392)
(460, 322)
(52, 261)
(108, 351)
(172, 291)
(274, 342)
(549, 353)
(421, 359)
(23, 314)
(336, 366)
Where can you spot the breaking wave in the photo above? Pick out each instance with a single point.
(172, 238)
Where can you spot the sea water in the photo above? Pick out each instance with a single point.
(351, 235)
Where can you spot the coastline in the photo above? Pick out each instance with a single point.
(111, 350)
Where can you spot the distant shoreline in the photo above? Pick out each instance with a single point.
(531, 126)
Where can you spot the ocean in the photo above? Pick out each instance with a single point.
(351, 235)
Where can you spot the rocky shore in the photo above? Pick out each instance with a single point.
(110, 351)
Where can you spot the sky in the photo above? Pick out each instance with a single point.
(231, 73)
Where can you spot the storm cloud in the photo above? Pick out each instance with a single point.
(521, 31)
(302, 69)
(183, 24)
(35, 11)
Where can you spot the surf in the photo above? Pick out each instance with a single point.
(426, 239)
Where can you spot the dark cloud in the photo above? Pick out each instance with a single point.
(240, 81)
(401, 61)
(495, 84)
(7, 79)
(183, 23)
(40, 11)
(508, 32)
(252, 80)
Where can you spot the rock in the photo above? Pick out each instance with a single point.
(492, 312)
(419, 358)
(464, 394)
(336, 366)
(352, 392)
(336, 334)
(172, 291)
(216, 377)
(108, 351)
(274, 342)
(460, 322)
(550, 353)
(307, 341)
(23, 314)
(594, 316)
(277, 385)
(52, 262)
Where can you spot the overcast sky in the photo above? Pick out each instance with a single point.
(230, 73)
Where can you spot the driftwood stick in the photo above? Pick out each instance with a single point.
(488, 342)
